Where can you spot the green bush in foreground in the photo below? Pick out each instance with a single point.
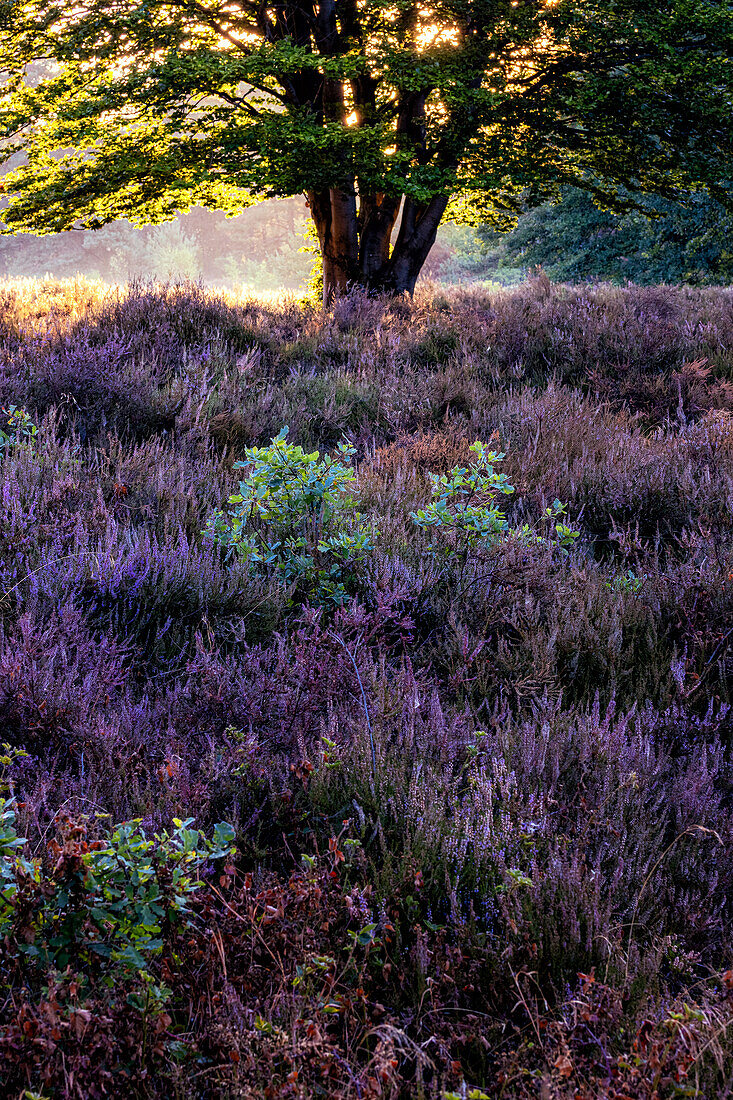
(19, 428)
(104, 902)
(295, 517)
(463, 508)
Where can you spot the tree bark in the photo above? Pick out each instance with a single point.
(356, 249)
(334, 216)
(418, 230)
(377, 217)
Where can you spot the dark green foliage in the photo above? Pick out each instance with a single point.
(688, 241)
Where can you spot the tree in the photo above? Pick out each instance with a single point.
(386, 114)
(573, 239)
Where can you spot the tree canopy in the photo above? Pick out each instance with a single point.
(387, 114)
(575, 240)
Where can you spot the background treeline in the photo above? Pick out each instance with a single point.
(266, 248)
(262, 249)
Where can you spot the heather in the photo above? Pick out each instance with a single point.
(473, 795)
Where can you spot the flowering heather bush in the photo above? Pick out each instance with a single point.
(481, 808)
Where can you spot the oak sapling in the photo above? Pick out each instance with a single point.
(295, 518)
(464, 509)
(106, 902)
(18, 429)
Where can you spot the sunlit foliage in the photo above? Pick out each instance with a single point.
(382, 114)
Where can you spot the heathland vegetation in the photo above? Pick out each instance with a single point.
(366, 668)
(366, 683)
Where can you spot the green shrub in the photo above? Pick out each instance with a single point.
(18, 429)
(464, 509)
(103, 902)
(295, 517)
(629, 581)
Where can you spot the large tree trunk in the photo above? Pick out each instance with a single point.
(356, 250)
(418, 230)
(334, 215)
(377, 217)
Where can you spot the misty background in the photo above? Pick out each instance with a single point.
(267, 248)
